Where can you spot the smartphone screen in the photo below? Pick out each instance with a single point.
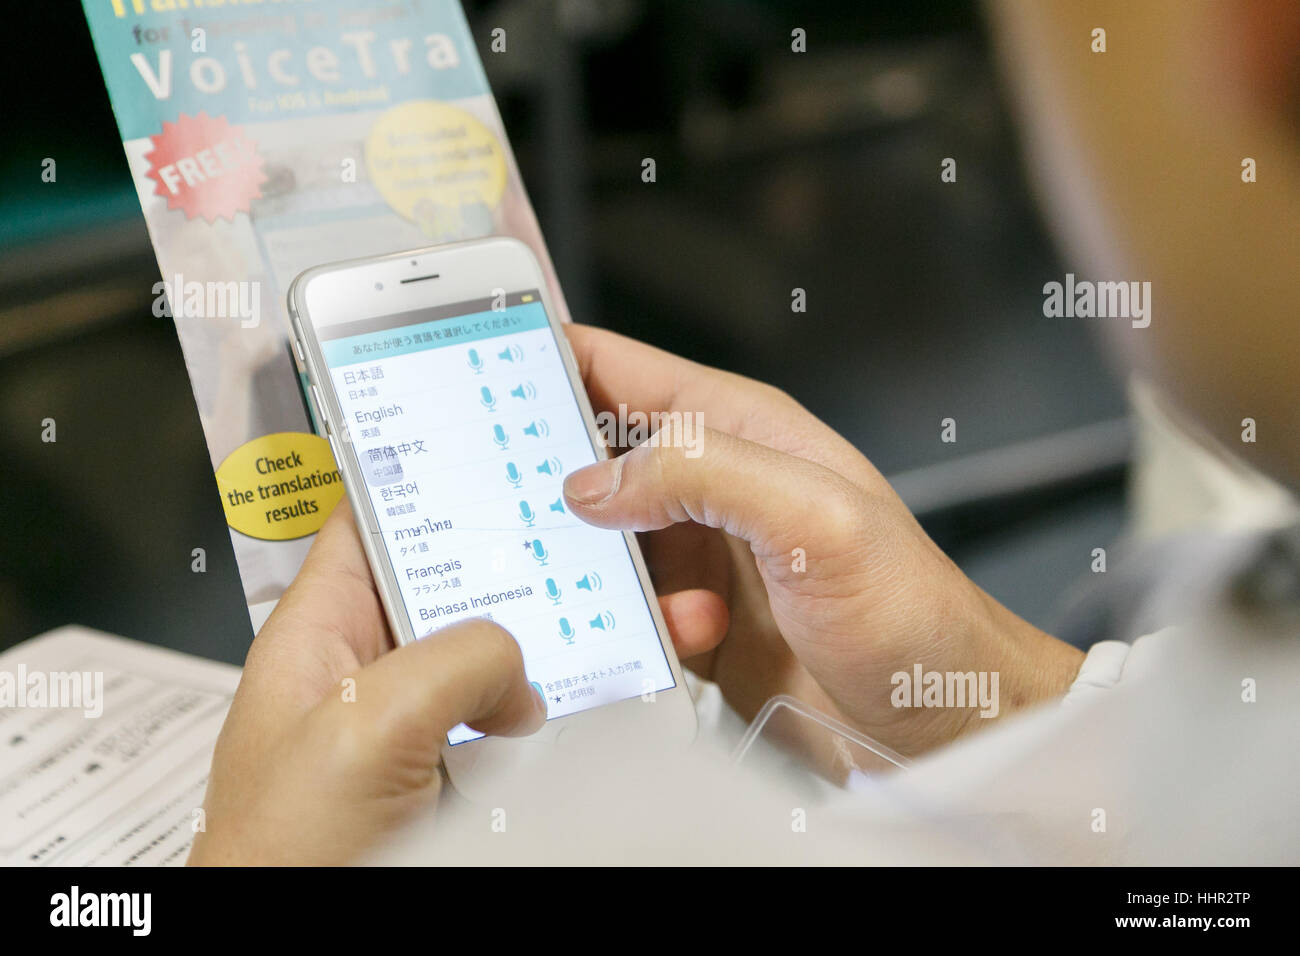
(464, 423)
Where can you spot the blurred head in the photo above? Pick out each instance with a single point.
(1137, 154)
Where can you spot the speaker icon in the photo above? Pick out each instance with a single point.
(604, 621)
(551, 466)
(589, 582)
(558, 505)
(537, 428)
(524, 390)
(499, 436)
(566, 631)
(511, 353)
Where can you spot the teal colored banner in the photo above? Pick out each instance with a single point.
(273, 60)
(461, 330)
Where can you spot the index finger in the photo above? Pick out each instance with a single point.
(470, 672)
(621, 371)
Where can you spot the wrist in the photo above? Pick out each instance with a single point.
(1032, 665)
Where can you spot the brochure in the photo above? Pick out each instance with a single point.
(267, 137)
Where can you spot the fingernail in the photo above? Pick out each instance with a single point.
(595, 484)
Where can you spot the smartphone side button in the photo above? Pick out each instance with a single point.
(563, 338)
(297, 347)
(319, 407)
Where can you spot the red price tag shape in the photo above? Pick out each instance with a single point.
(206, 167)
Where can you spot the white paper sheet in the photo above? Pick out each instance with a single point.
(120, 789)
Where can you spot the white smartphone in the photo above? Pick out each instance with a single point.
(455, 408)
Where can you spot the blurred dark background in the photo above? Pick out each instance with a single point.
(775, 171)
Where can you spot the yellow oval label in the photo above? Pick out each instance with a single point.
(279, 486)
(438, 166)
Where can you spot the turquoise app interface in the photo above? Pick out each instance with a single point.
(464, 424)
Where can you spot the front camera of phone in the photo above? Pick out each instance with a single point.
(379, 287)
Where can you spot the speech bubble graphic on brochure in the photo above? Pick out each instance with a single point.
(437, 166)
(206, 167)
(280, 486)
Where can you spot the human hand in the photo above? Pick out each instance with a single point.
(877, 596)
(308, 770)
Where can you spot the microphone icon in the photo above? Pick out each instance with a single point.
(566, 630)
(540, 554)
(499, 436)
(512, 474)
(552, 591)
(526, 514)
(488, 400)
(475, 362)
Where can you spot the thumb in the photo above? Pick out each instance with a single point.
(470, 672)
(361, 762)
(770, 499)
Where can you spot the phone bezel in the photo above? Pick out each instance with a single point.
(473, 269)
